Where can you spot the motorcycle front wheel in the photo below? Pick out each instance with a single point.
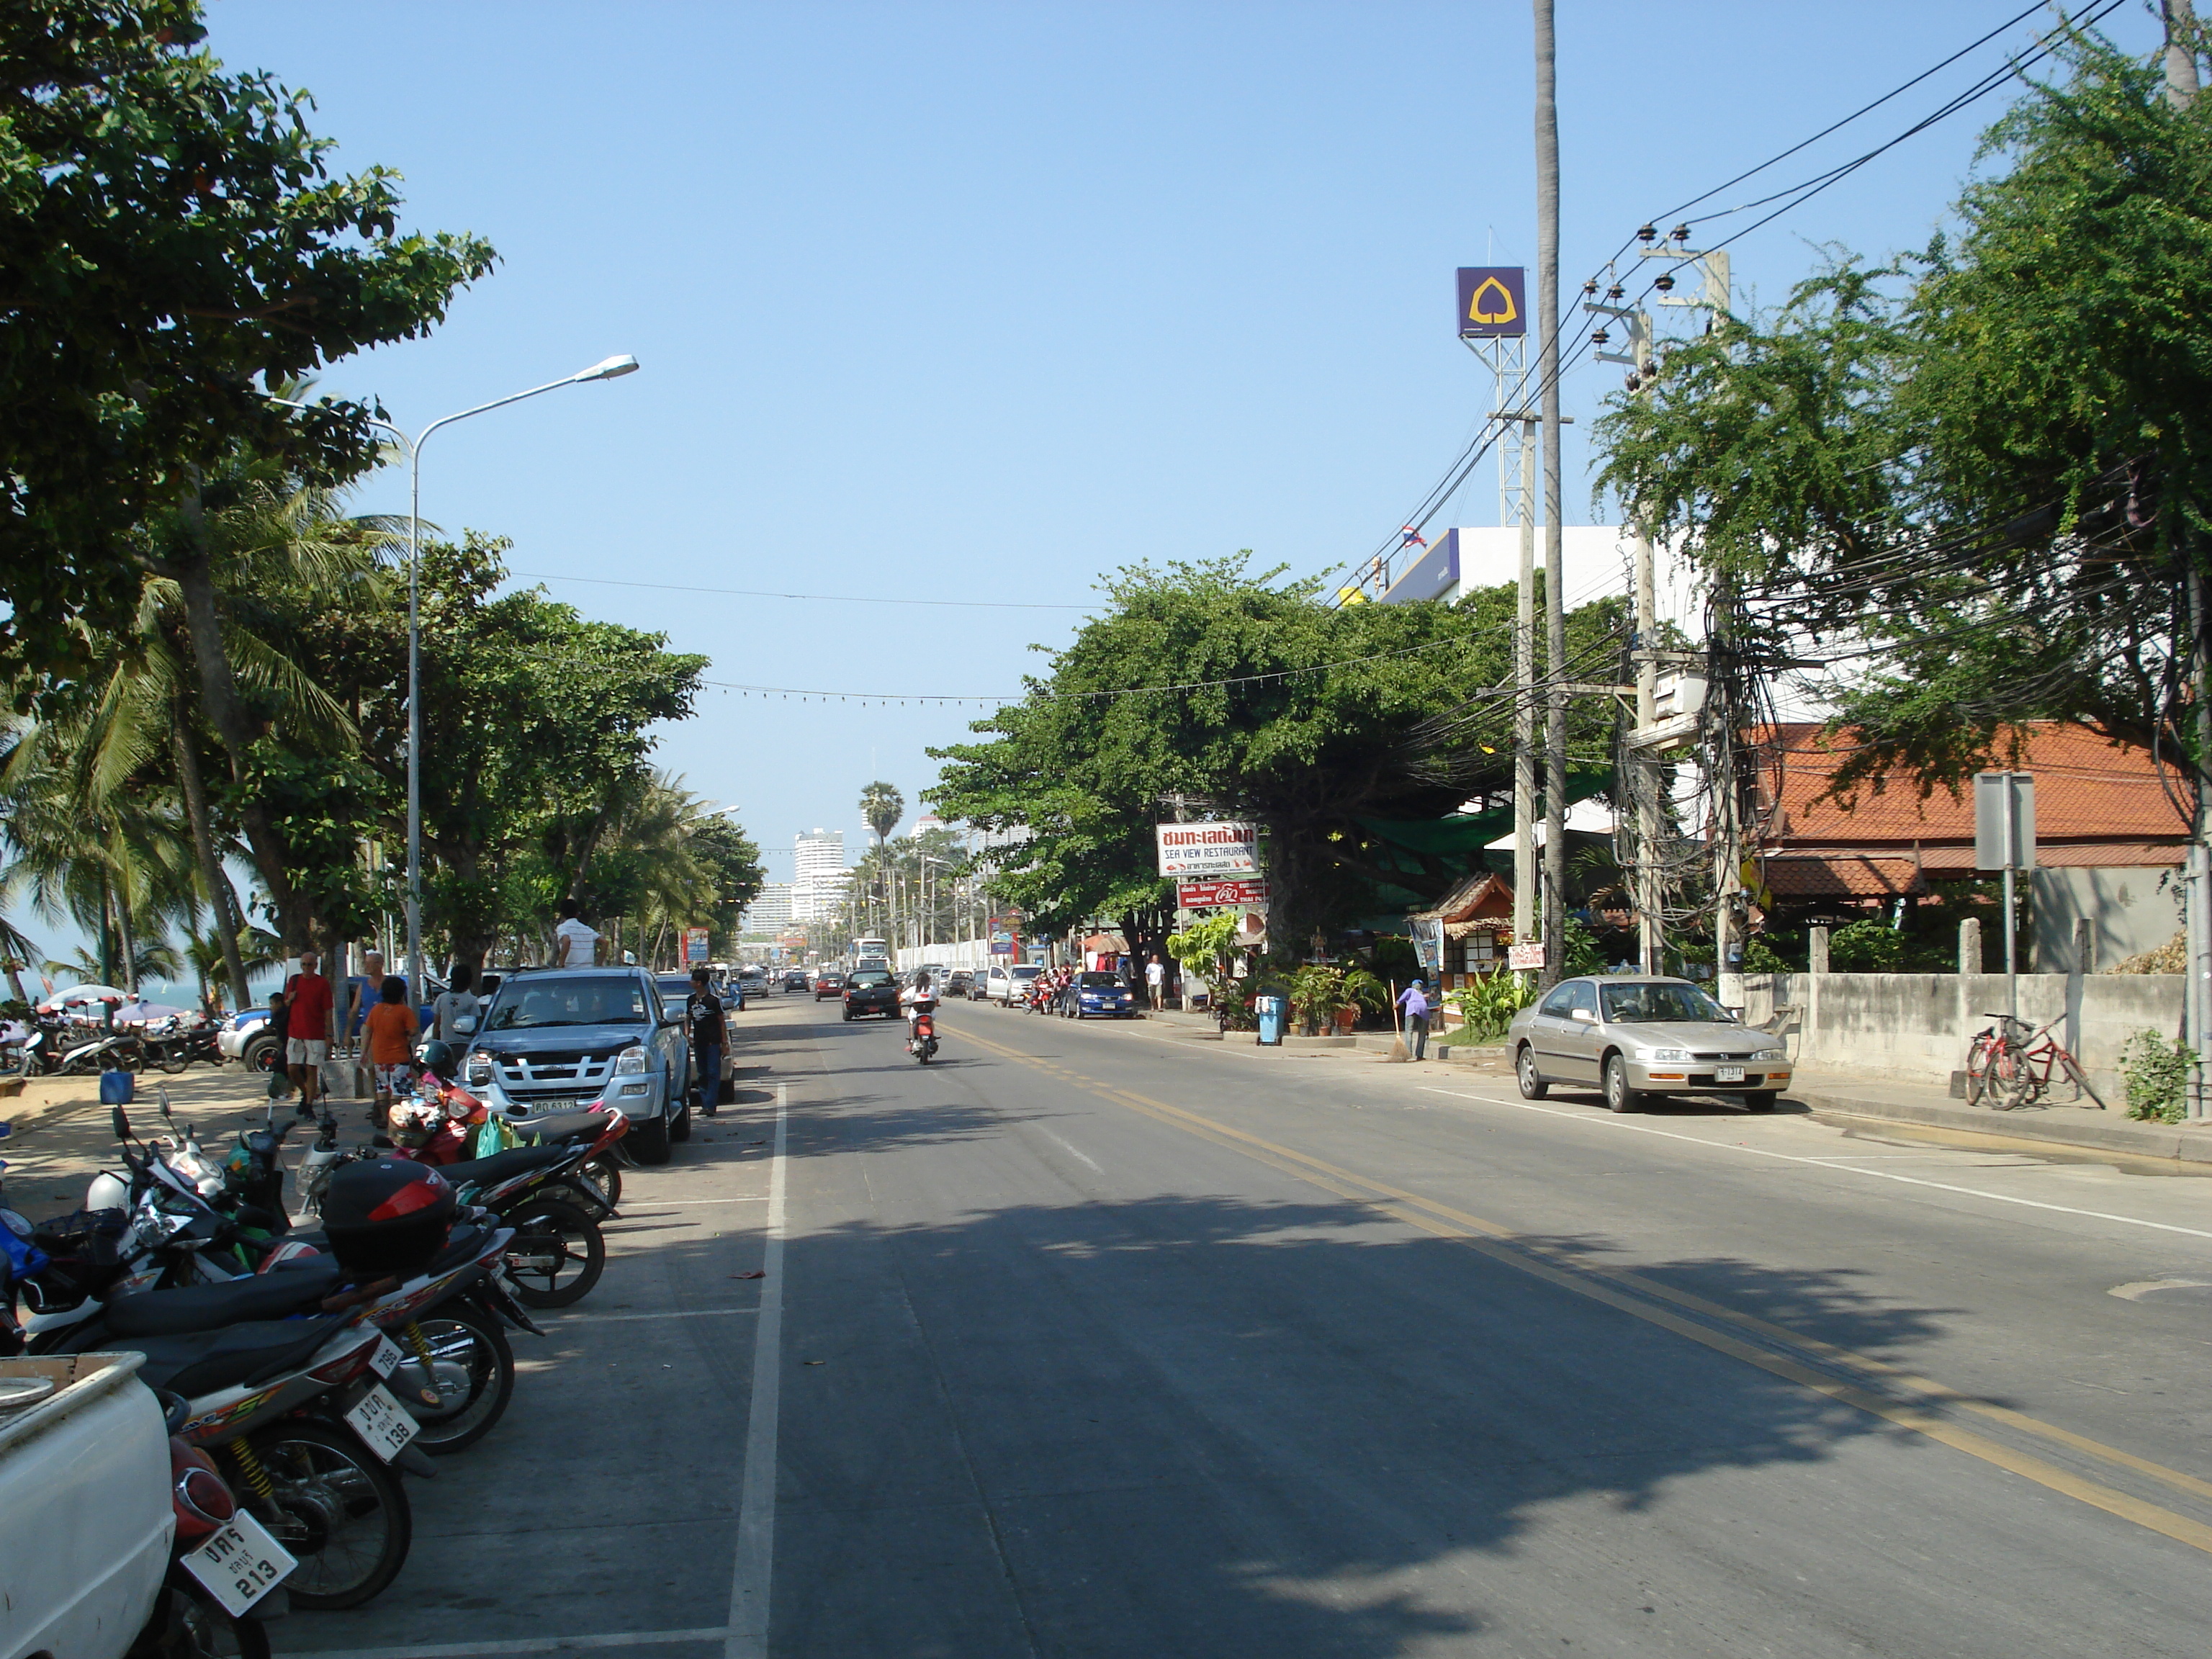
(174, 1058)
(340, 1511)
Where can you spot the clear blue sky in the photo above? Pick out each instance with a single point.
(980, 301)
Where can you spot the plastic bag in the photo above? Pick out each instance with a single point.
(495, 1136)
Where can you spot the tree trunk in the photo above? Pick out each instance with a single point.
(130, 939)
(219, 696)
(229, 925)
(107, 931)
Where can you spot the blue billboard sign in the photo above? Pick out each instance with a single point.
(1493, 301)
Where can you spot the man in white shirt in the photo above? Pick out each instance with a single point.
(1155, 980)
(574, 944)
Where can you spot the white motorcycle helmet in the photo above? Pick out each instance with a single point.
(107, 1192)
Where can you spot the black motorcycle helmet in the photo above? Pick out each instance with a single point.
(437, 1057)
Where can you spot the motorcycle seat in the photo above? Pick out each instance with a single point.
(211, 1307)
(200, 1362)
(462, 1244)
(565, 1126)
(505, 1166)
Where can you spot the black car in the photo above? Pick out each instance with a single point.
(795, 980)
(870, 991)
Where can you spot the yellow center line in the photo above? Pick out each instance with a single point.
(1606, 1286)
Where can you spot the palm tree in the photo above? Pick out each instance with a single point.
(883, 806)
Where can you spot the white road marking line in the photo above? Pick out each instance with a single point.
(751, 1571)
(577, 1320)
(1612, 1123)
(1070, 1151)
(639, 1639)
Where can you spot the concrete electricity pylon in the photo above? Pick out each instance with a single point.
(1555, 616)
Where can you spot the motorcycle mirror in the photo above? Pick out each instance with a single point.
(122, 1124)
(162, 1092)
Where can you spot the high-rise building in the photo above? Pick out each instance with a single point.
(818, 875)
(769, 914)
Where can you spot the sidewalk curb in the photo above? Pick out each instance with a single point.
(2176, 1143)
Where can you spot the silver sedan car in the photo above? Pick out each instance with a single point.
(1636, 1036)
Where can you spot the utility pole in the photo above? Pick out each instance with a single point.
(1555, 616)
(1524, 700)
(2182, 86)
(1646, 886)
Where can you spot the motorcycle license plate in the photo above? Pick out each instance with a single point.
(386, 1358)
(382, 1423)
(1728, 1073)
(240, 1564)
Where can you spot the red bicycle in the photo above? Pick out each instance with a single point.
(2010, 1070)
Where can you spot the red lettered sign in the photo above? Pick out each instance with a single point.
(1219, 895)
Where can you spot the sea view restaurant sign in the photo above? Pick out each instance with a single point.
(1193, 850)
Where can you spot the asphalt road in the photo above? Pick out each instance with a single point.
(1086, 1340)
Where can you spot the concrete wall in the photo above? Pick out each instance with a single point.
(2130, 910)
(1915, 1028)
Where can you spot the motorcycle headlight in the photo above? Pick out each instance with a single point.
(478, 1071)
(1667, 1056)
(630, 1061)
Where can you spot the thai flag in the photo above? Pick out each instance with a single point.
(1413, 538)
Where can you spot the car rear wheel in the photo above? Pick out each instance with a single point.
(1532, 1086)
(1619, 1096)
(1760, 1100)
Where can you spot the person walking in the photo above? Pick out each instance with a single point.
(575, 945)
(1414, 1000)
(362, 990)
(307, 1030)
(388, 1033)
(1156, 979)
(458, 1003)
(709, 1034)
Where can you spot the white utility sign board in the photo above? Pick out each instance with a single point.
(2004, 821)
(1209, 849)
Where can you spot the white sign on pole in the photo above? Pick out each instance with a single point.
(2004, 821)
(1208, 849)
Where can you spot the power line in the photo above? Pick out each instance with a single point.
(833, 598)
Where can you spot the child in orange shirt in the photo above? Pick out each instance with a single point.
(390, 1030)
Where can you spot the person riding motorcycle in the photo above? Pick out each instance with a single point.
(916, 999)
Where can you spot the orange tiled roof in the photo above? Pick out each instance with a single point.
(2089, 792)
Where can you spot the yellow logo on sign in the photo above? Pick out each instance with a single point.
(1494, 293)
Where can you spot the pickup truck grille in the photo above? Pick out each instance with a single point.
(571, 1074)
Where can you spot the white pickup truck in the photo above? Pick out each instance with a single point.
(86, 1509)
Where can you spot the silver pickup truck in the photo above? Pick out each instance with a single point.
(86, 1510)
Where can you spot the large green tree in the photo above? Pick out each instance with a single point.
(1987, 468)
(173, 245)
(1242, 695)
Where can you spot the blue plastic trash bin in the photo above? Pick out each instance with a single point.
(1271, 1010)
(116, 1088)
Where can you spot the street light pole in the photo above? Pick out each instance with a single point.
(611, 368)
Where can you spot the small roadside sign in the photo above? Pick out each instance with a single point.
(2004, 821)
(696, 942)
(1219, 895)
(1522, 956)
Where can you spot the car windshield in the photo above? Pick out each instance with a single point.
(867, 976)
(1027, 973)
(1647, 1004)
(675, 984)
(1097, 981)
(559, 999)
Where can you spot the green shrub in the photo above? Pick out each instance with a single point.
(1868, 947)
(2157, 1071)
(1489, 1004)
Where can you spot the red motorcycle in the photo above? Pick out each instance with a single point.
(922, 1043)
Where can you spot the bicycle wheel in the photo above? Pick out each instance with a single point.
(2080, 1079)
(2009, 1083)
(1978, 1068)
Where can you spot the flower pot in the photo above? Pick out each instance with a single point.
(1346, 1018)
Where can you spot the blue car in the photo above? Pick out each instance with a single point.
(1098, 993)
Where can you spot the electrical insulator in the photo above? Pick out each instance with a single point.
(1590, 287)
(1616, 292)
(1599, 337)
(1665, 285)
(1681, 232)
(1633, 381)
(1649, 234)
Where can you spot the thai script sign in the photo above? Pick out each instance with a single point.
(1209, 849)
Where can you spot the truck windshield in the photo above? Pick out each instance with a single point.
(560, 1000)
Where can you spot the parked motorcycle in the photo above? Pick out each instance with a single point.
(226, 1570)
